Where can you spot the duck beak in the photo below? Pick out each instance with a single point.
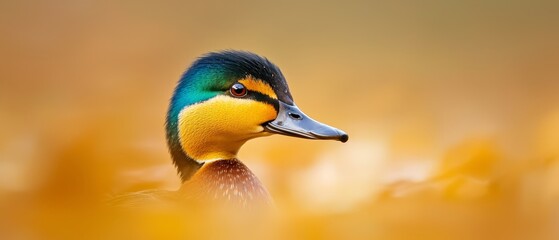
(293, 122)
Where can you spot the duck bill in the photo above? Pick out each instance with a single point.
(293, 122)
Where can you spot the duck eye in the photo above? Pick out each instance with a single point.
(238, 90)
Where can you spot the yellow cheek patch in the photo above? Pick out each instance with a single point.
(217, 128)
(259, 86)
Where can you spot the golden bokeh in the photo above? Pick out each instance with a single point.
(452, 108)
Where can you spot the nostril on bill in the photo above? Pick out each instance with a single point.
(295, 116)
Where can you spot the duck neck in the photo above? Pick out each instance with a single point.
(186, 165)
(193, 151)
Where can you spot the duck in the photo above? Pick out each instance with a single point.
(223, 100)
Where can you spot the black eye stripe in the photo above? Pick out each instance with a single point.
(254, 95)
(258, 96)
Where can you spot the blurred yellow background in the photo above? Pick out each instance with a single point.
(452, 108)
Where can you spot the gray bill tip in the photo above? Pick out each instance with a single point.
(343, 137)
(291, 121)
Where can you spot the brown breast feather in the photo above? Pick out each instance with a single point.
(225, 181)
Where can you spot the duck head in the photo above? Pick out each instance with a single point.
(226, 98)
